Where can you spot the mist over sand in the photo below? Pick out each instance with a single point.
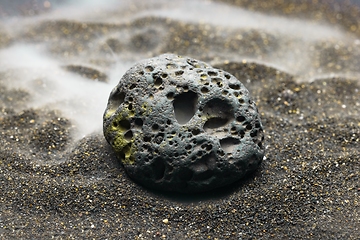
(80, 99)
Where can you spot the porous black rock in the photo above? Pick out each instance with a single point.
(178, 124)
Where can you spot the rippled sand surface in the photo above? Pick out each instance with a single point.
(59, 61)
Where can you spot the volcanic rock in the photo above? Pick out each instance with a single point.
(178, 124)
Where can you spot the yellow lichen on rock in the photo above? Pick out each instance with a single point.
(123, 141)
(125, 148)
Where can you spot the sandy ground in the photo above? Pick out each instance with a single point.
(55, 184)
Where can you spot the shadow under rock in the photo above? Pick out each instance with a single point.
(214, 194)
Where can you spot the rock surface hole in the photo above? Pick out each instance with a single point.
(185, 106)
(116, 100)
(228, 144)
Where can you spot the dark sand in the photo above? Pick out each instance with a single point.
(308, 187)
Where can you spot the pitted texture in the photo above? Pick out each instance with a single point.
(177, 124)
